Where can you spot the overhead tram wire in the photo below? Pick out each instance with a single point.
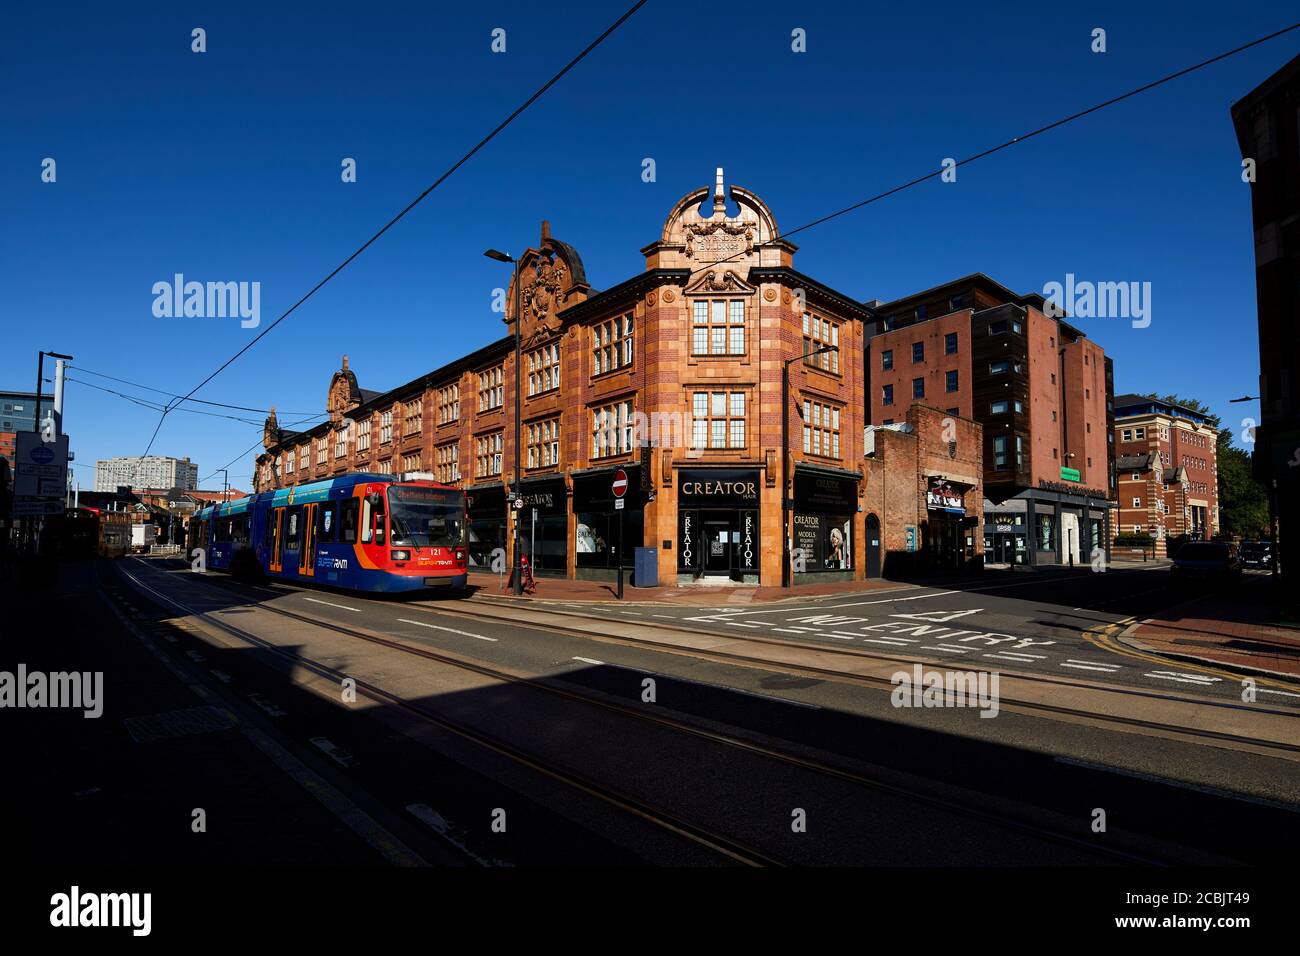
(1016, 140)
(158, 406)
(201, 401)
(415, 202)
(218, 471)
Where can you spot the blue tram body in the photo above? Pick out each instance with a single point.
(364, 532)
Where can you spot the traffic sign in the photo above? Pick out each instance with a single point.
(620, 483)
(519, 504)
(38, 506)
(618, 504)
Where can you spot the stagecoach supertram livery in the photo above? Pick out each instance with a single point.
(365, 532)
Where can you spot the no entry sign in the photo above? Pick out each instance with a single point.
(620, 483)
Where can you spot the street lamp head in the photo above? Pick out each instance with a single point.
(1244, 398)
(499, 256)
(59, 355)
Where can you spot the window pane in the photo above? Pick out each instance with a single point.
(719, 403)
(737, 340)
(737, 404)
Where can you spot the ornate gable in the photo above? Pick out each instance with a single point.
(552, 277)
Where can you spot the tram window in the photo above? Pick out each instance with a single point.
(240, 528)
(348, 511)
(291, 531)
(326, 527)
(380, 519)
(367, 521)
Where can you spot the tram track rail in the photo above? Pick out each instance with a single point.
(465, 611)
(666, 819)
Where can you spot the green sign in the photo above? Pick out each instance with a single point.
(1070, 474)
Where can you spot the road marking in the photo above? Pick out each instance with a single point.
(739, 624)
(668, 617)
(1099, 668)
(949, 650)
(342, 607)
(1018, 660)
(590, 660)
(436, 822)
(334, 752)
(1281, 693)
(450, 630)
(788, 630)
(1198, 679)
(881, 640)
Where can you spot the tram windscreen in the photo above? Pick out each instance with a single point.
(426, 517)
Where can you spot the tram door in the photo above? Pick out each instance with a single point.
(277, 539)
(307, 556)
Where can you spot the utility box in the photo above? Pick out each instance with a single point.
(645, 568)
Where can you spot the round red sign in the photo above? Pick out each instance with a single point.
(620, 483)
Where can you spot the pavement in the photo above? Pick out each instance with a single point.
(1240, 627)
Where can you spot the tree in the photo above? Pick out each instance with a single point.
(1243, 501)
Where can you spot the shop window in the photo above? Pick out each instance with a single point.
(1046, 533)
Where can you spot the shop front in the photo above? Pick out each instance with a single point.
(718, 535)
(1006, 538)
(949, 534)
(485, 506)
(605, 535)
(544, 525)
(822, 540)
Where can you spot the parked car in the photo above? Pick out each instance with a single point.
(1256, 554)
(1207, 559)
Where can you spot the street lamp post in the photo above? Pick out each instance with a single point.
(32, 527)
(1272, 496)
(787, 481)
(515, 563)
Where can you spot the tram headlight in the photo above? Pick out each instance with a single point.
(401, 554)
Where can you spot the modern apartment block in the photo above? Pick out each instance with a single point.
(1166, 470)
(1042, 392)
(1267, 123)
(149, 471)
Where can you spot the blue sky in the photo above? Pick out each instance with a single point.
(225, 166)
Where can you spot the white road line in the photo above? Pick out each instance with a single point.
(839, 637)
(1018, 660)
(947, 650)
(669, 617)
(342, 607)
(1090, 667)
(880, 640)
(1182, 678)
(846, 634)
(451, 630)
(952, 647)
(739, 624)
(1282, 693)
(590, 660)
(788, 630)
(1076, 660)
(1028, 657)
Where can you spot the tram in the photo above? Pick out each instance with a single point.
(88, 532)
(364, 532)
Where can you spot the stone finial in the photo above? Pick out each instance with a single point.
(719, 196)
(345, 362)
(546, 231)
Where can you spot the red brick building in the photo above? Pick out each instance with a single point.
(674, 375)
(1041, 392)
(1166, 470)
